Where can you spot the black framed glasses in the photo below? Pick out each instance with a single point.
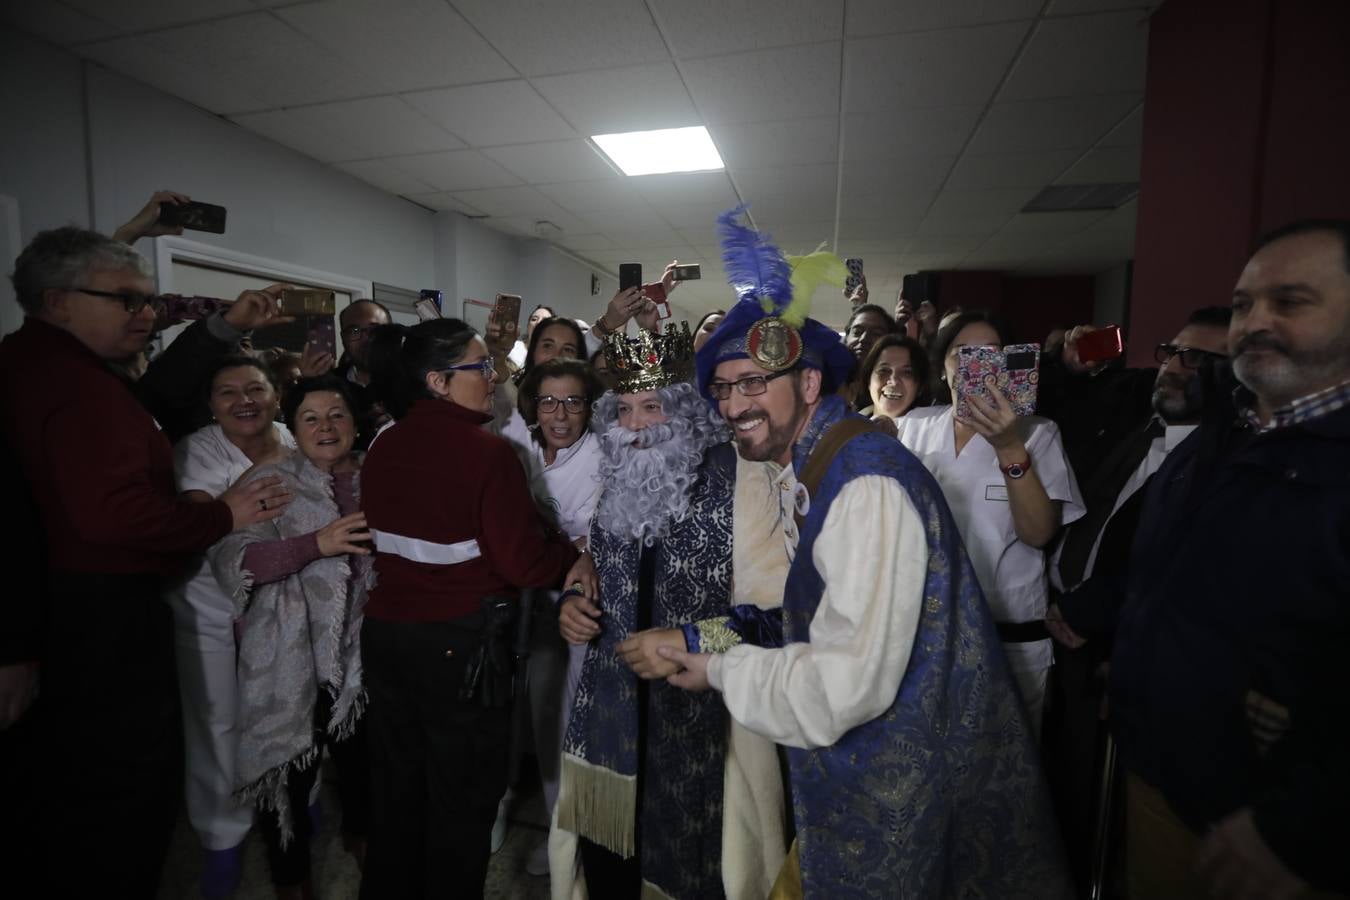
(484, 366)
(1191, 357)
(749, 386)
(548, 403)
(133, 302)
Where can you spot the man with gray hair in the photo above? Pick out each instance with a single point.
(644, 781)
(106, 724)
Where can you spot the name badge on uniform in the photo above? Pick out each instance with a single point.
(996, 492)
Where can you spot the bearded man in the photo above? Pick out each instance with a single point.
(644, 781)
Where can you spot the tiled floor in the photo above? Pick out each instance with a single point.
(335, 874)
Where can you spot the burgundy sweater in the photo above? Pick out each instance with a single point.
(99, 469)
(438, 476)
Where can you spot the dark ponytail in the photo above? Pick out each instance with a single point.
(401, 356)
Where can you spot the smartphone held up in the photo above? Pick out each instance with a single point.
(193, 216)
(1013, 371)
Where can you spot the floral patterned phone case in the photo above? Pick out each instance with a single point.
(1014, 371)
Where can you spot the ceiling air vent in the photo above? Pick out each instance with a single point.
(1079, 197)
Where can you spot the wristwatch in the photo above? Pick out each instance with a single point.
(1017, 469)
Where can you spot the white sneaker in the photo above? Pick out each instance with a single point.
(499, 826)
(537, 862)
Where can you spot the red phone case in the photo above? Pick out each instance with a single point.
(1100, 345)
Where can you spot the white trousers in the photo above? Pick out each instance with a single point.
(206, 682)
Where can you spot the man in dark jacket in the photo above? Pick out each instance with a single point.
(100, 473)
(1227, 684)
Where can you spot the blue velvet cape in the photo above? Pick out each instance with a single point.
(680, 811)
(942, 795)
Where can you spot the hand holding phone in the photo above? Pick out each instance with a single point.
(630, 276)
(1013, 371)
(193, 216)
(506, 314)
(1089, 347)
(307, 302)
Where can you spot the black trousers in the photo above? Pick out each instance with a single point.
(103, 749)
(290, 864)
(438, 764)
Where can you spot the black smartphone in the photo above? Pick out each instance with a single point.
(193, 216)
(630, 276)
(691, 272)
(915, 288)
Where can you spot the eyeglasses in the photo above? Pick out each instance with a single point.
(548, 403)
(484, 366)
(1191, 357)
(357, 331)
(133, 301)
(749, 386)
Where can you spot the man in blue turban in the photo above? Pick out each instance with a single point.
(913, 772)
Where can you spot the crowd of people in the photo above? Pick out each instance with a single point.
(776, 611)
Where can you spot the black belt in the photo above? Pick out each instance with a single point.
(1022, 632)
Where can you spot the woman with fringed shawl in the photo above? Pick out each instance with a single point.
(299, 584)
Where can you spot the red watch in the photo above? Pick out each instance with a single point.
(1017, 469)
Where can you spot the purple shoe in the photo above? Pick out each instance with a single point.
(221, 871)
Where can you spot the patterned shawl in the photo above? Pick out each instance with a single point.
(297, 636)
(681, 825)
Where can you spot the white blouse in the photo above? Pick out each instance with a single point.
(1011, 573)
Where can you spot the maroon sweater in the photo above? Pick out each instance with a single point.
(99, 469)
(438, 476)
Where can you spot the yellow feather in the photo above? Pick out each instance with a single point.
(808, 273)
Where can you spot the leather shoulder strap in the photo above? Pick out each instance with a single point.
(830, 443)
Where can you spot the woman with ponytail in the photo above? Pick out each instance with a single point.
(457, 536)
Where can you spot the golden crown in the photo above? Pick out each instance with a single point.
(650, 361)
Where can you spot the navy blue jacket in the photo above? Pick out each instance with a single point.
(1239, 591)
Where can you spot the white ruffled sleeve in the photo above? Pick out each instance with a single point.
(872, 554)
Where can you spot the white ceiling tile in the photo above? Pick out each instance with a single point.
(872, 249)
(1065, 124)
(697, 217)
(580, 242)
(507, 202)
(907, 203)
(1129, 133)
(377, 126)
(140, 15)
(384, 176)
(1082, 55)
(788, 143)
(974, 212)
(796, 234)
(485, 115)
(1051, 223)
(702, 235)
(634, 217)
(1104, 165)
(1074, 7)
(890, 179)
(255, 56)
(586, 196)
(405, 46)
(808, 185)
(456, 170)
(57, 22)
(706, 27)
(909, 133)
(529, 224)
(767, 85)
(447, 203)
(1122, 220)
(891, 229)
(288, 129)
(541, 37)
(146, 59)
(552, 162)
(869, 17)
(937, 68)
(637, 98)
(693, 187)
(1006, 170)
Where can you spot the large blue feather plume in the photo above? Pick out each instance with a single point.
(754, 266)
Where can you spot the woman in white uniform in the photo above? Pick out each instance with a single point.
(1010, 487)
(244, 402)
(555, 403)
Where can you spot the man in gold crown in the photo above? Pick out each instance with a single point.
(644, 775)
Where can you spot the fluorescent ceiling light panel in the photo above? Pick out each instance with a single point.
(661, 151)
